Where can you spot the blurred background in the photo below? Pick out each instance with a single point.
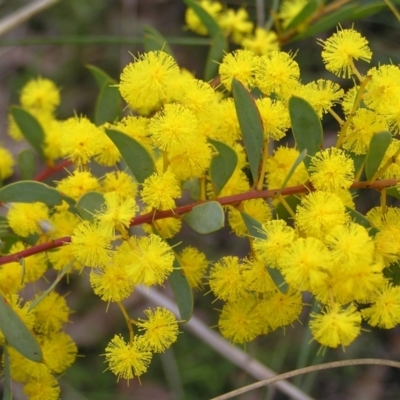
(58, 43)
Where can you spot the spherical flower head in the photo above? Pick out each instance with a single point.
(277, 73)
(278, 237)
(241, 65)
(323, 95)
(160, 329)
(275, 118)
(385, 310)
(280, 309)
(256, 208)
(113, 282)
(336, 326)
(382, 88)
(25, 218)
(90, 244)
(239, 321)
(144, 83)
(193, 162)
(120, 182)
(364, 125)
(77, 184)
(194, 265)
(238, 183)
(45, 387)
(166, 227)
(194, 23)
(279, 165)
(150, 261)
(331, 170)
(34, 266)
(256, 277)
(305, 263)
(228, 124)
(117, 212)
(81, 140)
(40, 95)
(6, 163)
(174, 129)
(51, 313)
(319, 212)
(289, 10)
(108, 155)
(159, 191)
(236, 24)
(127, 360)
(350, 245)
(59, 351)
(262, 42)
(341, 49)
(226, 279)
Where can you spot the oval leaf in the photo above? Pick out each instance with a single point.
(222, 165)
(206, 218)
(30, 128)
(217, 50)
(182, 291)
(17, 334)
(108, 104)
(253, 226)
(89, 204)
(306, 127)
(193, 185)
(330, 21)
(393, 191)
(101, 77)
(376, 151)
(136, 157)
(27, 164)
(206, 19)
(7, 392)
(304, 15)
(154, 40)
(250, 124)
(30, 192)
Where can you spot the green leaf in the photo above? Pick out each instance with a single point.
(306, 127)
(182, 291)
(393, 273)
(89, 204)
(194, 187)
(297, 162)
(154, 41)
(101, 77)
(108, 104)
(222, 165)
(17, 334)
(136, 157)
(358, 159)
(330, 21)
(304, 15)
(362, 220)
(369, 9)
(393, 191)
(206, 19)
(30, 192)
(52, 286)
(250, 124)
(7, 392)
(206, 218)
(253, 226)
(27, 164)
(30, 128)
(216, 53)
(376, 151)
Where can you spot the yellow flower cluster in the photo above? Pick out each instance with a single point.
(175, 119)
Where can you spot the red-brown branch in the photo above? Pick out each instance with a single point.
(179, 211)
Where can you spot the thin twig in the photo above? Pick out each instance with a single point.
(23, 14)
(222, 346)
(306, 370)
